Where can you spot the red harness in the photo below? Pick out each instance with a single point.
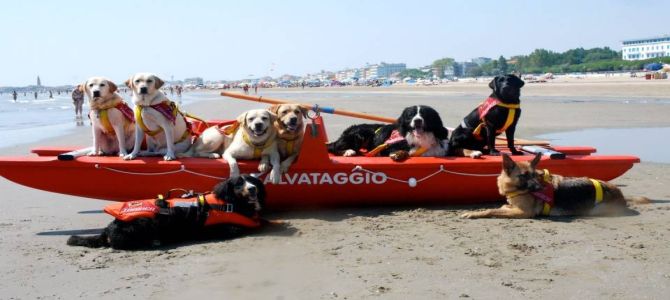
(218, 212)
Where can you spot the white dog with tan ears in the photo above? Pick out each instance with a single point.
(166, 128)
(255, 138)
(112, 119)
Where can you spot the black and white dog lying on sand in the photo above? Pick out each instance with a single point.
(227, 212)
(419, 131)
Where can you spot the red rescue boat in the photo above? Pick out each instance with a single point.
(315, 179)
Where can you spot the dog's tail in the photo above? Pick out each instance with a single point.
(638, 200)
(96, 241)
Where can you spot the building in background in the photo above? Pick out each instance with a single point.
(385, 70)
(196, 81)
(481, 60)
(639, 49)
(39, 82)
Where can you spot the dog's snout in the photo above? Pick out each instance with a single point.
(258, 126)
(293, 120)
(96, 93)
(418, 122)
(144, 90)
(252, 190)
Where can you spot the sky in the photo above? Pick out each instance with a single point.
(65, 42)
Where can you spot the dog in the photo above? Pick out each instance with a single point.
(244, 195)
(210, 143)
(499, 113)
(531, 193)
(418, 131)
(255, 138)
(290, 128)
(167, 130)
(112, 120)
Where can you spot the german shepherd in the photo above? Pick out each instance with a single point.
(531, 192)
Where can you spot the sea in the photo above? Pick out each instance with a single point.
(29, 120)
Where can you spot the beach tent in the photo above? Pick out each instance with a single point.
(653, 67)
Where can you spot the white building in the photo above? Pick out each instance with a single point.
(639, 49)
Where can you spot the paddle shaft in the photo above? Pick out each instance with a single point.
(341, 112)
(324, 109)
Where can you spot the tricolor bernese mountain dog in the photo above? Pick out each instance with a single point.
(418, 131)
(243, 196)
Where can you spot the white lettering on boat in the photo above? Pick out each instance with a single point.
(328, 179)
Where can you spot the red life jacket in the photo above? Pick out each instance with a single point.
(217, 212)
(484, 108)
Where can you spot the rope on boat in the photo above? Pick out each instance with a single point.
(182, 169)
(412, 182)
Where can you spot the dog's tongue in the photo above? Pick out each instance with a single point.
(418, 131)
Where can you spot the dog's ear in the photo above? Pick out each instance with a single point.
(535, 160)
(112, 86)
(304, 111)
(221, 189)
(494, 84)
(158, 82)
(275, 108)
(242, 119)
(441, 133)
(129, 82)
(273, 116)
(508, 164)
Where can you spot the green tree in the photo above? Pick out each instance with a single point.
(413, 73)
(441, 63)
(502, 65)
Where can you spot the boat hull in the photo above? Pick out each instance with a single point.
(315, 180)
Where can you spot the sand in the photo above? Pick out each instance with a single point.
(387, 253)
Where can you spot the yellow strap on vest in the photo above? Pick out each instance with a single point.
(140, 122)
(104, 120)
(201, 199)
(510, 119)
(258, 150)
(546, 209)
(546, 176)
(515, 193)
(510, 106)
(419, 152)
(599, 190)
(289, 147)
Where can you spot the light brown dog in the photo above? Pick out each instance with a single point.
(531, 192)
(112, 120)
(290, 132)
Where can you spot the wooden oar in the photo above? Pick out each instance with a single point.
(331, 110)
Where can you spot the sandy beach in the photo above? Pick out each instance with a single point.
(382, 252)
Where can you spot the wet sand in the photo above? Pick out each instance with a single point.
(353, 253)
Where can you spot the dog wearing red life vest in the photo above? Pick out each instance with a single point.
(233, 207)
(531, 192)
(111, 118)
(418, 131)
(498, 114)
(166, 129)
(290, 128)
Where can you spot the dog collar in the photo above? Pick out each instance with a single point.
(258, 149)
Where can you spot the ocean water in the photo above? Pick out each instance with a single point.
(650, 144)
(30, 120)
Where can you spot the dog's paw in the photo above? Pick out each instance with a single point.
(284, 167)
(93, 153)
(123, 154)
(214, 156)
(468, 215)
(515, 152)
(264, 167)
(169, 156)
(399, 155)
(130, 156)
(476, 154)
(275, 176)
(349, 153)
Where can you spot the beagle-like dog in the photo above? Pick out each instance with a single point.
(112, 119)
(255, 138)
(290, 132)
(166, 129)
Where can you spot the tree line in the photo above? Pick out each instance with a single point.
(541, 61)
